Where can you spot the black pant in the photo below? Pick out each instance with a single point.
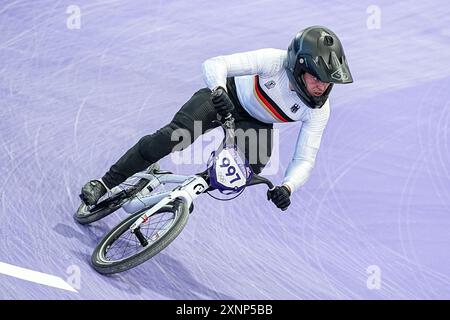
(151, 148)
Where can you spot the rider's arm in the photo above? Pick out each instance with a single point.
(308, 143)
(263, 62)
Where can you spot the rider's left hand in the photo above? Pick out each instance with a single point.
(280, 195)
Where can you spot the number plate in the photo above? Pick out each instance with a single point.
(228, 172)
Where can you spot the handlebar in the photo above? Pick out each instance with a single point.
(258, 180)
(227, 124)
(254, 181)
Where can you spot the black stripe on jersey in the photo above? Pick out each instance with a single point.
(272, 103)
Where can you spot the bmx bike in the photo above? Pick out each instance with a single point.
(157, 217)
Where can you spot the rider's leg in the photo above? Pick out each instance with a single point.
(152, 148)
(254, 138)
(198, 111)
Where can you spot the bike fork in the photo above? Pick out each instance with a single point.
(186, 193)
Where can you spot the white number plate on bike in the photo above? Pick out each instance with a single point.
(228, 172)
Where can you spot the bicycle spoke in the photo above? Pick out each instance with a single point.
(127, 245)
(124, 244)
(132, 239)
(118, 244)
(151, 232)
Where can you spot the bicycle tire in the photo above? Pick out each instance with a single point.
(107, 267)
(86, 215)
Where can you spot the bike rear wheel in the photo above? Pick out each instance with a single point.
(88, 214)
(121, 250)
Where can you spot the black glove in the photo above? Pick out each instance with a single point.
(280, 196)
(221, 101)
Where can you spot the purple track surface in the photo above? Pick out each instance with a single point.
(72, 101)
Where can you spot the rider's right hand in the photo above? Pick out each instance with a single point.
(221, 101)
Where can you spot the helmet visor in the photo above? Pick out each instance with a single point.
(333, 71)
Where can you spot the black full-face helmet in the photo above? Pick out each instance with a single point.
(318, 51)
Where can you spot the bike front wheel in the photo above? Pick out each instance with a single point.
(121, 250)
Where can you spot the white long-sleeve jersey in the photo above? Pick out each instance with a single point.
(263, 90)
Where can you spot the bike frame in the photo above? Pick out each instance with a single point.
(144, 199)
(190, 188)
